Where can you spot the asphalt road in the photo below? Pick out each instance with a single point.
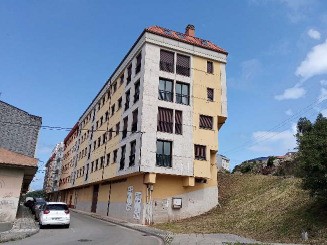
(87, 230)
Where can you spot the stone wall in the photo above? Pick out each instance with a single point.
(18, 129)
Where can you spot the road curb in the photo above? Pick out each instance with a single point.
(17, 234)
(164, 236)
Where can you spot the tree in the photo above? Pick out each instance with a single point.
(312, 155)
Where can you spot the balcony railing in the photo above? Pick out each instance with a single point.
(182, 99)
(165, 95)
(164, 160)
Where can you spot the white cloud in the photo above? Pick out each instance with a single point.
(314, 34)
(323, 82)
(250, 68)
(315, 63)
(298, 9)
(289, 112)
(274, 143)
(291, 93)
(323, 94)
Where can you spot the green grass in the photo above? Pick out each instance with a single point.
(265, 208)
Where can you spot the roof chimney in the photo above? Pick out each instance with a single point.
(190, 30)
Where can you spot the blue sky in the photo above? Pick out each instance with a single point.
(56, 55)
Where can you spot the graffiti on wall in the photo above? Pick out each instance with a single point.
(137, 205)
(2, 184)
(129, 200)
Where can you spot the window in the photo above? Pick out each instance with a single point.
(115, 155)
(122, 158)
(91, 137)
(101, 121)
(134, 122)
(114, 87)
(165, 90)
(112, 109)
(182, 93)
(99, 141)
(206, 122)
(108, 159)
(110, 133)
(120, 100)
(210, 94)
(129, 73)
(104, 138)
(209, 67)
(163, 155)
(178, 122)
(165, 120)
(101, 162)
(94, 145)
(183, 65)
(121, 79)
(138, 63)
(125, 127)
(117, 128)
(96, 164)
(132, 155)
(200, 152)
(107, 116)
(137, 91)
(127, 95)
(166, 61)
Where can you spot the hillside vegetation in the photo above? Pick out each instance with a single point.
(265, 208)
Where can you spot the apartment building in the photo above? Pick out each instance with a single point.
(53, 171)
(145, 148)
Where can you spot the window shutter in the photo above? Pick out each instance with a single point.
(178, 122)
(166, 61)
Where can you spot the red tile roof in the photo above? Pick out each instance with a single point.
(182, 37)
(13, 158)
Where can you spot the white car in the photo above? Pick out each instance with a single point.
(54, 213)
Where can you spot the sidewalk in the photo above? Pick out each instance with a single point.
(23, 226)
(177, 239)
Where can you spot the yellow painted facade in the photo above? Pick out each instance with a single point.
(93, 181)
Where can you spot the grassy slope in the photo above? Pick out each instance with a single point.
(265, 208)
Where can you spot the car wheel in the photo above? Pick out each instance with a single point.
(41, 226)
(67, 226)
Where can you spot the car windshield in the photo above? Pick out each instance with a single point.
(40, 203)
(57, 207)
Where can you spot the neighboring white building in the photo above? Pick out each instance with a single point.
(53, 169)
(222, 162)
